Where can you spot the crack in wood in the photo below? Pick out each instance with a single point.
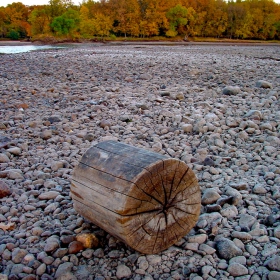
(187, 187)
(156, 237)
(154, 187)
(108, 189)
(175, 219)
(76, 194)
(144, 212)
(162, 185)
(172, 183)
(96, 204)
(141, 224)
(185, 211)
(189, 196)
(147, 193)
(140, 241)
(182, 177)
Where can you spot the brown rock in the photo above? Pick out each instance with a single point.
(2, 126)
(180, 96)
(75, 247)
(105, 123)
(89, 240)
(22, 105)
(46, 134)
(4, 189)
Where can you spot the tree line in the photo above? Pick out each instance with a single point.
(248, 19)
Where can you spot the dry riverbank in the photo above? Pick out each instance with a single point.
(215, 107)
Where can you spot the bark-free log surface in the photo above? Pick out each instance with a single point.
(147, 200)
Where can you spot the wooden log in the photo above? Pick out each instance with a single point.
(145, 199)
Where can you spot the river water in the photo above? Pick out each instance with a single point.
(9, 49)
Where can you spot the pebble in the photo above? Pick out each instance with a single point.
(229, 212)
(244, 236)
(207, 249)
(227, 249)
(89, 240)
(188, 128)
(154, 259)
(273, 275)
(198, 238)
(208, 162)
(237, 197)
(99, 253)
(48, 195)
(14, 151)
(41, 269)
(263, 84)
(273, 263)
(75, 247)
(18, 255)
(237, 269)
(15, 174)
(4, 189)
(63, 269)
(4, 158)
(88, 253)
(231, 90)
(246, 221)
(277, 232)
(46, 134)
(210, 196)
(251, 249)
(259, 189)
(123, 271)
(255, 114)
(52, 243)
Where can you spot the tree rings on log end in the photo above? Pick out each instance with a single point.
(145, 199)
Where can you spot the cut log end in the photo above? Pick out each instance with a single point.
(145, 199)
(170, 206)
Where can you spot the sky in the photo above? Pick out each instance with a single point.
(43, 2)
(33, 2)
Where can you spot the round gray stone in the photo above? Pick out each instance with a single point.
(273, 275)
(273, 263)
(210, 196)
(123, 271)
(231, 90)
(227, 249)
(237, 269)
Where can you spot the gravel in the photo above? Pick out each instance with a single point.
(215, 107)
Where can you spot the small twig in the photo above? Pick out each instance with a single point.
(268, 57)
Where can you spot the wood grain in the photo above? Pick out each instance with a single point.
(143, 198)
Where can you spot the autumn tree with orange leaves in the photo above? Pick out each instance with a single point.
(248, 19)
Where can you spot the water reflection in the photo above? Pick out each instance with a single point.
(22, 49)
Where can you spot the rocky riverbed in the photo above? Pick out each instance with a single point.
(214, 107)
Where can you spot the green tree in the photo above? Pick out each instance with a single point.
(58, 7)
(13, 34)
(66, 23)
(177, 17)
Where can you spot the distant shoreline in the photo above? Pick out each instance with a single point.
(119, 43)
